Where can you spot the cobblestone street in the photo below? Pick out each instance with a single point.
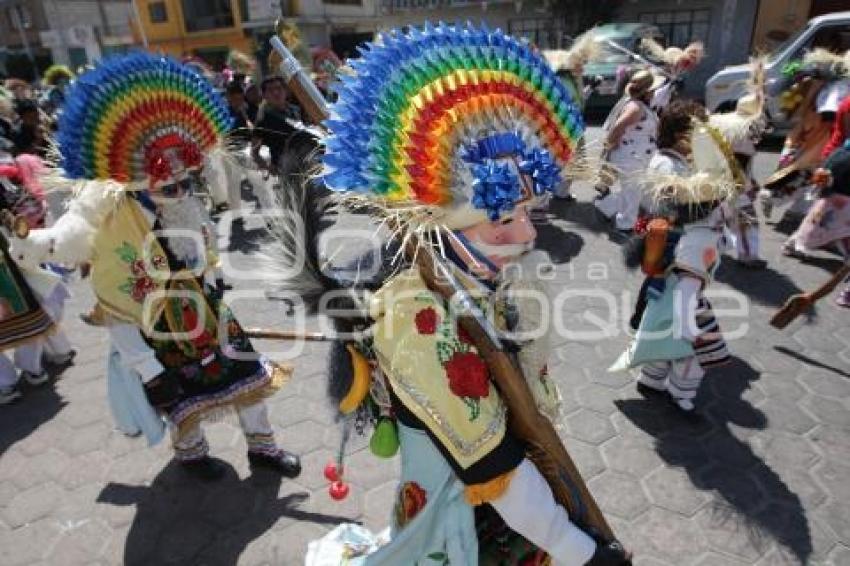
(763, 479)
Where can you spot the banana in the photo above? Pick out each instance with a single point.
(360, 385)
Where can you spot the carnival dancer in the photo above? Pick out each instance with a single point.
(742, 128)
(135, 130)
(827, 224)
(630, 128)
(56, 79)
(450, 147)
(31, 304)
(812, 91)
(677, 336)
(569, 67)
(630, 141)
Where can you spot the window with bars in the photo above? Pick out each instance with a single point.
(413, 4)
(201, 15)
(680, 27)
(157, 12)
(545, 33)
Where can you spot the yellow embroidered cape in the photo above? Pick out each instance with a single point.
(130, 271)
(435, 370)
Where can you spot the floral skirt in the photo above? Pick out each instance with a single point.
(21, 317)
(213, 373)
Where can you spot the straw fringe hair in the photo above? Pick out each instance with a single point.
(821, 56)
(585, 48)
(736, 126)
(670, 55)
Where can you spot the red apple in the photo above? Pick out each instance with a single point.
(338, 490)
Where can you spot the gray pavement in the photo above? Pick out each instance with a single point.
(762, 480)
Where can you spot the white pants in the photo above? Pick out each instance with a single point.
(746, 239)
(28, 357)
(624, 205)
(8, 375)
(191, 444)
(529, 508)
(681, 378)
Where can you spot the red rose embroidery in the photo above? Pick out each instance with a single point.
(426, 321)
(141, 288)
(468, 376)
(411, 500)
(138, 267)
(213, 369)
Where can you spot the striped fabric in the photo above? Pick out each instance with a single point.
(710, 347)
(188, 452)
(260, 443)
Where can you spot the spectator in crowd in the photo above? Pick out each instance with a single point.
(238, 109)
(253, 98)
(29, 134)
(273, 128)
(19, 88)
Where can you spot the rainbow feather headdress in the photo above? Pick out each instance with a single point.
(126, 119)
(462, 120)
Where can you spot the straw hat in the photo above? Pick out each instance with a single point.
(643, 82)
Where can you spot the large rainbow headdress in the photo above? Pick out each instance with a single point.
(451, 117)
(120, 118)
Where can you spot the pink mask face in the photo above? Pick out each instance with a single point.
(506, 239)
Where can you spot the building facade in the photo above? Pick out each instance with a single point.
(84, 31)
(777, 20)
(344, 24)
(38, 33)
(208, 29)
(724, 26)
(21, 53)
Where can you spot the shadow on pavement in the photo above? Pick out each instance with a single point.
(751, 495)
(764, 286)
(245, 241)
(582, 213)
(36, 406)
(811, 361)
(787, 223)
(181, 521)
(561, 245)
(829, 264)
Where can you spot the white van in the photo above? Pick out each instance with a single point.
(722, 90)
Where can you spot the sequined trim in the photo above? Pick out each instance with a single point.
(246, 392)
(196, 452)
(261, 443)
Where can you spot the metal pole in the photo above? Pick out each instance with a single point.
(139, 23)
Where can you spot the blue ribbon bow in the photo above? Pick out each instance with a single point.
(541, 168)
(495, 188)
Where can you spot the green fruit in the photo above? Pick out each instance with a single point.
(384, 441)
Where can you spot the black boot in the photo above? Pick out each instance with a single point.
(285, 463)
(206, 468)
(610, 554)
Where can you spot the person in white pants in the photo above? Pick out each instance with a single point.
(630, 142)
(55, 347)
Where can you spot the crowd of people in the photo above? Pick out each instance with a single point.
(454, 137)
